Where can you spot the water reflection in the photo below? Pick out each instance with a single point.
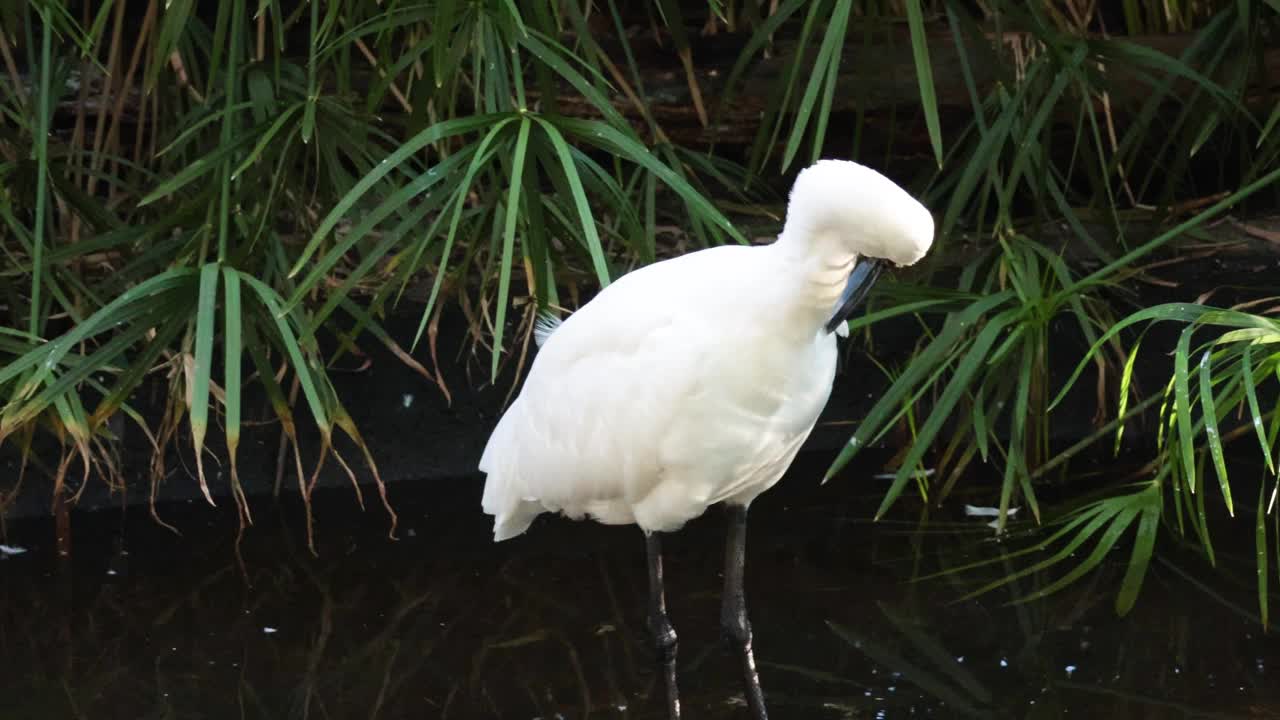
(443, 623)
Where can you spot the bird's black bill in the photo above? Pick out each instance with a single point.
(864, 275)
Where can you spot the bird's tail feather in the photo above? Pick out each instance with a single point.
(512, 523)
(512, 513)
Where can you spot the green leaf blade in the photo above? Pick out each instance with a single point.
(924, 75)
(206, 304)
(1208, 407)
(508, 241)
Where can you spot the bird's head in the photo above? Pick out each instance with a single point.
(855, 209)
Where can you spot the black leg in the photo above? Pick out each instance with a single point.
(733, 612)
(664, 635)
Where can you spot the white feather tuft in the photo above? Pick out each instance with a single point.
(544, 326)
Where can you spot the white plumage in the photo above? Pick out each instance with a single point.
(695, 380)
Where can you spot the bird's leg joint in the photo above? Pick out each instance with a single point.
(664, 636)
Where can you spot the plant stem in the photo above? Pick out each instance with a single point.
(1092, 438)
(42, 169)
(224, 203)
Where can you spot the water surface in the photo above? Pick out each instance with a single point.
(443, 623)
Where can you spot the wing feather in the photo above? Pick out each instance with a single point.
(641, 408)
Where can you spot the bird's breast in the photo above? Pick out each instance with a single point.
(769, 385)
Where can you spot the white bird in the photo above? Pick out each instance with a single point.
(695, 380)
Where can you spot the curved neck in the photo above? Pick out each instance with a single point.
(813, 269)
(828, 248)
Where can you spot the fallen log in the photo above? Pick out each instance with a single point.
(874, 77)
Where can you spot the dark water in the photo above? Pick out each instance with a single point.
(445, 624)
